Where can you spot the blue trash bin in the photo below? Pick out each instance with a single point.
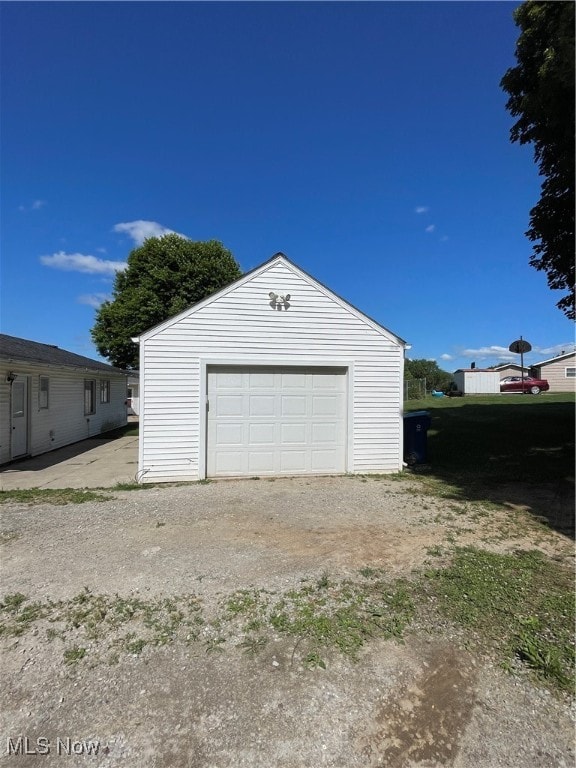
(416, 426)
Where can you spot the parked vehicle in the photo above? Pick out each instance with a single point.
(453, 391)
(530, 385)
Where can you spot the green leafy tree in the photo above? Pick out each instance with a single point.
(435, 377)
(541, 91)
(164, 276)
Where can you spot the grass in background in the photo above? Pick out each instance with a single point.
(480, 444)
(128, 430)
(501, 437)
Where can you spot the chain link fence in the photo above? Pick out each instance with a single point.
(414, 389)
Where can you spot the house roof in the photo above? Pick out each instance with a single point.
(507, 365)
(15, 349)
(475, 370)
(556, 359)
(277, 258)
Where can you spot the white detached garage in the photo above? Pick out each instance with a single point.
(273, 375)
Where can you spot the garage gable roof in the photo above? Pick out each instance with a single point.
(276, 259)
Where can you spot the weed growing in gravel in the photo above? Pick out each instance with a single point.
(136, 646)
(323, 582)
(100, 619)
(368, 572)
(214, 645)
(342, 615)
(242, 602)
(313, 660)
(6, 536)
(74, 654)
(253, 645)
(20, 614)
(12, 603)
(56, 496)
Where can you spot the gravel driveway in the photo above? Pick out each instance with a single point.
(425, 702)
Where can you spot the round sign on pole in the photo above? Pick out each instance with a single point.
(520, 347)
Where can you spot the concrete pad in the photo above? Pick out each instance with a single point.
(93, 463)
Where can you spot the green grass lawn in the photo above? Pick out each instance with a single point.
(479, 443)
(128, 430)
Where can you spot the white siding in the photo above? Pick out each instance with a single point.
(64, 421)
(134, 386)
(241, 327)
(477, 382)
(4, 417)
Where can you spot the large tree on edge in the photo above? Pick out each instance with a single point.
(541, 96)
(164, 276)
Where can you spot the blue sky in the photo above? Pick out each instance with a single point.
(369, 142)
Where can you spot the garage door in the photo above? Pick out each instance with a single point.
(276, 421)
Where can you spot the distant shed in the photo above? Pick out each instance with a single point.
(477, 381)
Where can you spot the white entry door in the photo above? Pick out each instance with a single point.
(276, 421)
(19, 414)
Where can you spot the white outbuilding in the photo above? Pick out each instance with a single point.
(273, 375)
(477, 381)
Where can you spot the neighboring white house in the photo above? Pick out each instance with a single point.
(273, 375)
(560, 372)
(477, 381)
(50, 397)
(133, 395)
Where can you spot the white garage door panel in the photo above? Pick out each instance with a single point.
(229, 434)
(229, 406)
(276, 421)
(323, 460)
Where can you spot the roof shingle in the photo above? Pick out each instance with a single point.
(23, 350)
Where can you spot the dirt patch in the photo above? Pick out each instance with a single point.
(428, 702)
(427, 717)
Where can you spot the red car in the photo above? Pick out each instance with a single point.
(515, 384)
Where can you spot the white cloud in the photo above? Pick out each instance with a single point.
(94, 299)
(503, 354)
(446, 356)
(140, 230)
(421, 209)
(557, 349)
(488, 353)
(431, 228)
(78, 262)
(34, 206)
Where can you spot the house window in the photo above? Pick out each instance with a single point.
(570, 373)
(105, 391)
(89, 397)
(43, 392)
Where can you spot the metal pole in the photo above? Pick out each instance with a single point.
(522, 364)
